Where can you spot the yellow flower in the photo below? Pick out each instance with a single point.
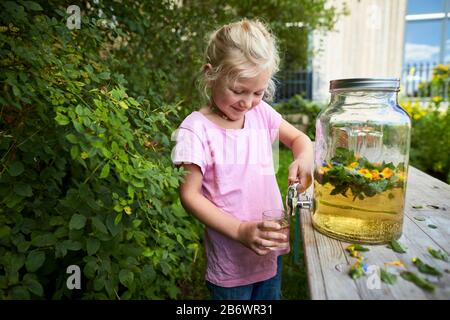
(128, 210)
(437, 99)
(366, 173)
(84, 155)
(387, 173)
(324, 170)
(354, 164)
(375, 175)
(401, 175)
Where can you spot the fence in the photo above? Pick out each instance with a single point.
(416, 81)
(291, 83)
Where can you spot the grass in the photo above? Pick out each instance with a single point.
(294, 280)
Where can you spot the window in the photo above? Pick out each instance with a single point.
(427, 32)
(424, 6)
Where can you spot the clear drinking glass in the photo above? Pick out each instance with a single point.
(282, 218)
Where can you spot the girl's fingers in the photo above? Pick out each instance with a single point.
(273, 235)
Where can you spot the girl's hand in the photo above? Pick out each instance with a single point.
(300, 171)
(254, 235)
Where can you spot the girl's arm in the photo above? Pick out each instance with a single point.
(249, 233)
(302, 149)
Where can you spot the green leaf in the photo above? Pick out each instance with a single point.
(35, 260)
(72, 138)
(44, 240)
(126, 277)
(31, 5)
(35, 287)
(99, 225)
(417, 206)
(397, 246)
(426, 268)
(438, 254)
(77, 222)
(23, 189)
(388, 277)
(74, 152)
(432, 226)
(92, 246)
(419, 218)
(72, 245)
(422, 283)
(20, 293)
(123, 105)
(105, 171)
(104, 75)
(356, 247)
(16, 169)
(5, 231)
(62, 120)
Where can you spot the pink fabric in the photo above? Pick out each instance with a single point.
(239, 178)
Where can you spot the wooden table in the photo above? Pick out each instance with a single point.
(328, 263)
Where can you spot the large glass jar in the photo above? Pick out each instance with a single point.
(361, 162)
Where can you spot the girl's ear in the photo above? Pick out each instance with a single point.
(207, 68)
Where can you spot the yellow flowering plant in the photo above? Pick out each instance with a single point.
(347, 171)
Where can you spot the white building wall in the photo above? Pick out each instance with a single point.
(366, 43)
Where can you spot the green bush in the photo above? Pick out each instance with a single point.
(430, 138)
(299, 105)
(86, 118)
(85, 176)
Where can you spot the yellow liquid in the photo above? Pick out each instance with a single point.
(374, 220)
(284, 224)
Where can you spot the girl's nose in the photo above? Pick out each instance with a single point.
(246, 103)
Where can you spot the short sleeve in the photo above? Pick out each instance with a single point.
(272, 119)
(188, 149)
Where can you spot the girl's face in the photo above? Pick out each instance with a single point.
(235, 99)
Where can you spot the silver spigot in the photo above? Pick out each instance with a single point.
(293, 199)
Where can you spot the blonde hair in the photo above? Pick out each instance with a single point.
(241, 49)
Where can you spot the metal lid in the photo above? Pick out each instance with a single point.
(354, 84)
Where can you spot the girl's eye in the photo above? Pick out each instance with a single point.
(259, 93)
(236, 92)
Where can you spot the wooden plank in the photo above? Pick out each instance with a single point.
(328, 263)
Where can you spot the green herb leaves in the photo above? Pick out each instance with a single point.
(397, 246)
(347, 172)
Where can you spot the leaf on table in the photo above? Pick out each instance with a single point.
(396, 263)
(422, 283)
(397, 246)
(426, 268)
(417, 206)
(432, 226)
(357, 270)
(438, 254)
(387, 277)
(419, 218)
(356, 247)
(433, 206)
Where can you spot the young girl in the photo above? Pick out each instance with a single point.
(226, 148)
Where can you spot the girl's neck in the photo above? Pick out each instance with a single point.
(221, 121)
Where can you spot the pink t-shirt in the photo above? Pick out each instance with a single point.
(239, 178)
